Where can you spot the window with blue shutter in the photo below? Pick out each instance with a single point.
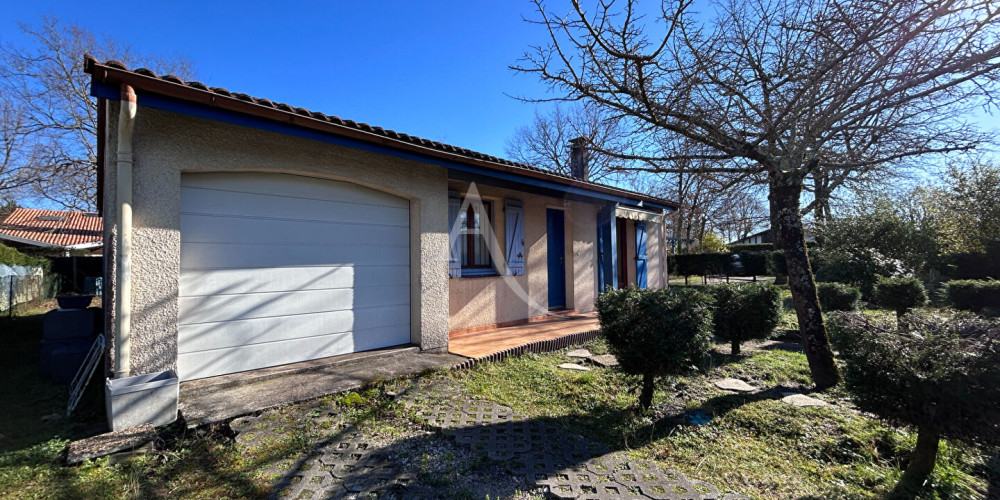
(454, 235)
(640, 254)
(514, 223)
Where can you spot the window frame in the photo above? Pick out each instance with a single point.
(469, 243)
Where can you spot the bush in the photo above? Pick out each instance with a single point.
(899, 294)
(861, 270)
(973, 295)
(655, 333)
(838, 297)
(943, 378)
(745, 311)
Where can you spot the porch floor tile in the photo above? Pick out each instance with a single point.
(484, 343)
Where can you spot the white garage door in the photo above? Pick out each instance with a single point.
(278, 268)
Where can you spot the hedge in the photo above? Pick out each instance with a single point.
(751, 247)
(973, 295)
(700, 264)
(11, 257)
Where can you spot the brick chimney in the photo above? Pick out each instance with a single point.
(579, 159)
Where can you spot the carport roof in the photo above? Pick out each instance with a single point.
(107, 76)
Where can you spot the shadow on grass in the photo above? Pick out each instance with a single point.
(34, 407)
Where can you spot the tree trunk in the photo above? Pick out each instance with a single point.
(784, 198)
(921, 464)
(646, 395)
(735, 347)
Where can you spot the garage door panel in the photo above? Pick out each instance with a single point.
(227, 229)
(208, 336)
(278, 269)
(225, 255)
(276, 304)
(291, 186)
(271, 207)
(195, 283)
(251, 357)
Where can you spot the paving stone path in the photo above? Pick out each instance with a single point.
(350, 465)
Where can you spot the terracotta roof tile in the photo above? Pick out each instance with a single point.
(220, 91)
(53, 227)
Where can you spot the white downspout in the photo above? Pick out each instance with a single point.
(123, 247)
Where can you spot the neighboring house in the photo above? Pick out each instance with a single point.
(53, 231)
(264, 234)
(759, 237)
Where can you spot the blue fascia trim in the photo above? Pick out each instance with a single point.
(103, 90)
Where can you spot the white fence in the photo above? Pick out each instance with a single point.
(19, 285)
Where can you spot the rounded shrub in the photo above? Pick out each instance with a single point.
(899, 294)
(655, 333)
(744, 311)
(838, 297)
(973, 295)
(941, 377)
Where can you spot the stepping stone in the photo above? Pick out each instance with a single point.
(574, 366)
(604, 360)
(579, 353)
(802, 400)
(133, 438)
(735, 385)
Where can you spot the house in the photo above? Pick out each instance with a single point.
(53, 231)
(244, 233)
(758, 237)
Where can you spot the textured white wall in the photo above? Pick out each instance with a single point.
(167, 144)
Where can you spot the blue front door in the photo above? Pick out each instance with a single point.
(555, 229)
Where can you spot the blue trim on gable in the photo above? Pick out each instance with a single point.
(455, 169)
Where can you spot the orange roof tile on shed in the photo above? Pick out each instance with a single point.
(166, 84)
(53, 228)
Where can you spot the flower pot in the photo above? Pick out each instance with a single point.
(149, 398)
(74, 301)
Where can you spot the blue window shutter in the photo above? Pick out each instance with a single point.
(514, 224)
(454, 236)
(640, 254)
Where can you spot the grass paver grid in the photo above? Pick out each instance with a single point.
(351, 465)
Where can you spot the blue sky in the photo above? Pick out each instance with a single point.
(434, 69)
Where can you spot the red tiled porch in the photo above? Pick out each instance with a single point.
(484, 343)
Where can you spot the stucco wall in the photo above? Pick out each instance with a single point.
(482, 301)
(167, 144)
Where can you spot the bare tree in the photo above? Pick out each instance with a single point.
(45, 87)
(16, 171)
(781, 88)
(545, 143)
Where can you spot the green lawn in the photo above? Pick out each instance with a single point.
(755, 444)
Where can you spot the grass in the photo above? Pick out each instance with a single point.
(755, 444)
